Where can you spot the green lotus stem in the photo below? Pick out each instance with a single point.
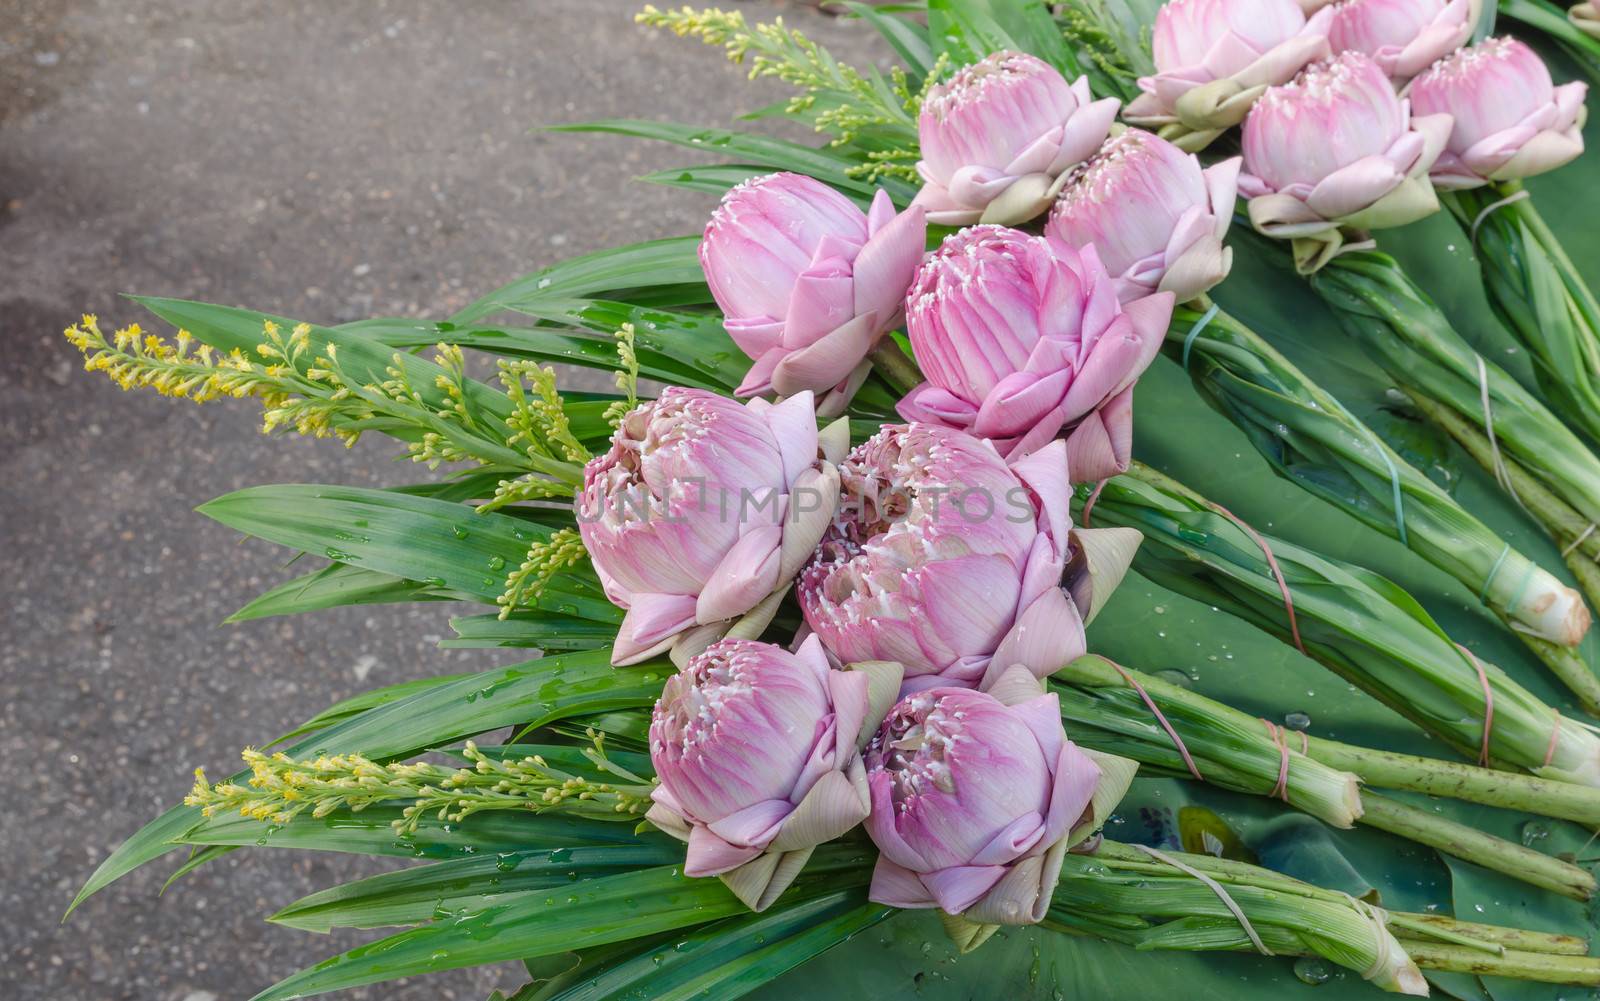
(1361, 626)
(1570, 530)
(1512, 938)
(1405, 333)
(1507, 790)
(1315, 442)
(1387, 769)
(1475, 846)
(1543, 967)
(1230, 749)
(895, 366)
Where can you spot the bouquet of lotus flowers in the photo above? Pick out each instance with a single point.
(822, 594)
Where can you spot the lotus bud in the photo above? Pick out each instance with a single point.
(976, 798)
(1021, 338)
(1510, 120)
(807, 282)
(1214, 58)
(1155, 218)
(1337, 149)
(948, 560)
(756, 750)
(997, 136)
(701, 509)
(1402, 36)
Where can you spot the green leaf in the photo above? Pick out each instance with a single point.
(536, 693)
(773, 154)
(659, 266)
(908, 40)
(727, 959)
(371, 699)
(529, 629)
(337, 585)
(443, 545)
(529, 924)
(445, 889)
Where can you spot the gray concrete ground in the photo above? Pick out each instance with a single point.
(324, 160)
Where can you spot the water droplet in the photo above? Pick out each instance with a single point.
(497, 563)
(460, 532)
(1312, 970)
(1173, 676)
(1297, 720)
(337, 554)
(1533, 832)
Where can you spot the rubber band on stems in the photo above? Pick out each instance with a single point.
(1094, 495)
(1194, 331)
(1472, 234)
(1488, 703)
(1277, 572)
(1215, 887)
(1502, 475)
(1281, 790)
(1394, 485)
(1575, 543)
(1161, 718)
(1378, 917)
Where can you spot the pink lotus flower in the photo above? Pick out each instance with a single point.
(1402, 36)
(997, 136)
(949, 561)
(702, 508)
(976, 798)
(1215, 57)
(1510, 120)
(808, 282)
(1155, 218)
(1337, 148)
(1020, 338)
(756, 752)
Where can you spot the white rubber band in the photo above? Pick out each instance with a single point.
(1216, 888)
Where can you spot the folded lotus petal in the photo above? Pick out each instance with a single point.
(1285, 217)
(794, 425)
(1350, 189)
(887, 263)
(959, 887)
(1084, 132)
(1198, 269)
(1023, 896)
(1020, 401)
(754, 826)
(1015, 686)
(1414, 199)
(761, 881)
(1100, 558)
(668, 820)
(814, 500)
(1042, 716)
(748, 573)
(1047, 636)
(827, 360)
(896, 886)
(650, 624)
(1025, 198)
(1046, 473)
(821, 300)
(1038, 155)
(1110, 368)
(758, 380)
(977, 185)
(937, 405)
(834, 805)
(709, 855)
(755, 336)
(1148, 108)
(962, 596)
(1041, 572)
(1076, 778)
(1544, 152)
(1102, 443)
(1435, 132)
(1436, 41)
(1016, 839)
(851, 706)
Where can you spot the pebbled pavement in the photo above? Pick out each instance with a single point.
(326, 161)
